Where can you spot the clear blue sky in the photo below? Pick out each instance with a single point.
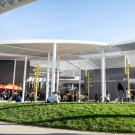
(98, 20)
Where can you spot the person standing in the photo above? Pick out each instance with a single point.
(120, 92)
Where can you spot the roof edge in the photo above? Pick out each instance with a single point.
(122, 42)
(52, 41)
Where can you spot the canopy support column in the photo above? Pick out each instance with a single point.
(79, 79)
(24, 79)
(86, 69)
(14, 72)
(103, 75)
(48, 78)
(53, 68)
(58, 74)
(73, 87)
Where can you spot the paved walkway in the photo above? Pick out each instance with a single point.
(10, 129)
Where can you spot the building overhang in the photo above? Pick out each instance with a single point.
(41, 48)
(6, 5)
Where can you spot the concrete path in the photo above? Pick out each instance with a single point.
(11, 129)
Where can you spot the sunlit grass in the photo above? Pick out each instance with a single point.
(107, 117)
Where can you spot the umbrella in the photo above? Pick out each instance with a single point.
(2, 87)
(11, 86)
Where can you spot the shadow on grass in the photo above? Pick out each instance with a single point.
(32, 104)
(23, 105)
(83, 117)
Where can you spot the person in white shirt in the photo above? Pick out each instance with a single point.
(108, 97)
(128, 95)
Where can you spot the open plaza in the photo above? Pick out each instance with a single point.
(70, 84)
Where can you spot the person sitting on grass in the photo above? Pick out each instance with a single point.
(53, 98)
(59, 97)
(128, 95)
(31, 96)
(97, 99)
(108, 97)
(18, 98)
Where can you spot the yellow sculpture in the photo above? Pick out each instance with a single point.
(87, 82)
(127, 71)
(36, 80)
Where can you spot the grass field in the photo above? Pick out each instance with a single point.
(107, 117)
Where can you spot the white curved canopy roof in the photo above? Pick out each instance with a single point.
(6, 5)
(37, 51)
(128, 49)
(41, 48)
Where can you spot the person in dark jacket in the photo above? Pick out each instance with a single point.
(18, 98)
(120, 92)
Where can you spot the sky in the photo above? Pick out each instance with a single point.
(108, 21)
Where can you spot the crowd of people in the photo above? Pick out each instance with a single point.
(123, 94)
(64, 97)
(68, 96)
(10, 95)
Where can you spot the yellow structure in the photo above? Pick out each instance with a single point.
(87, 82)
(127, 71)
(36, 80)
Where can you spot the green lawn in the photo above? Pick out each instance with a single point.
(108, 117)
